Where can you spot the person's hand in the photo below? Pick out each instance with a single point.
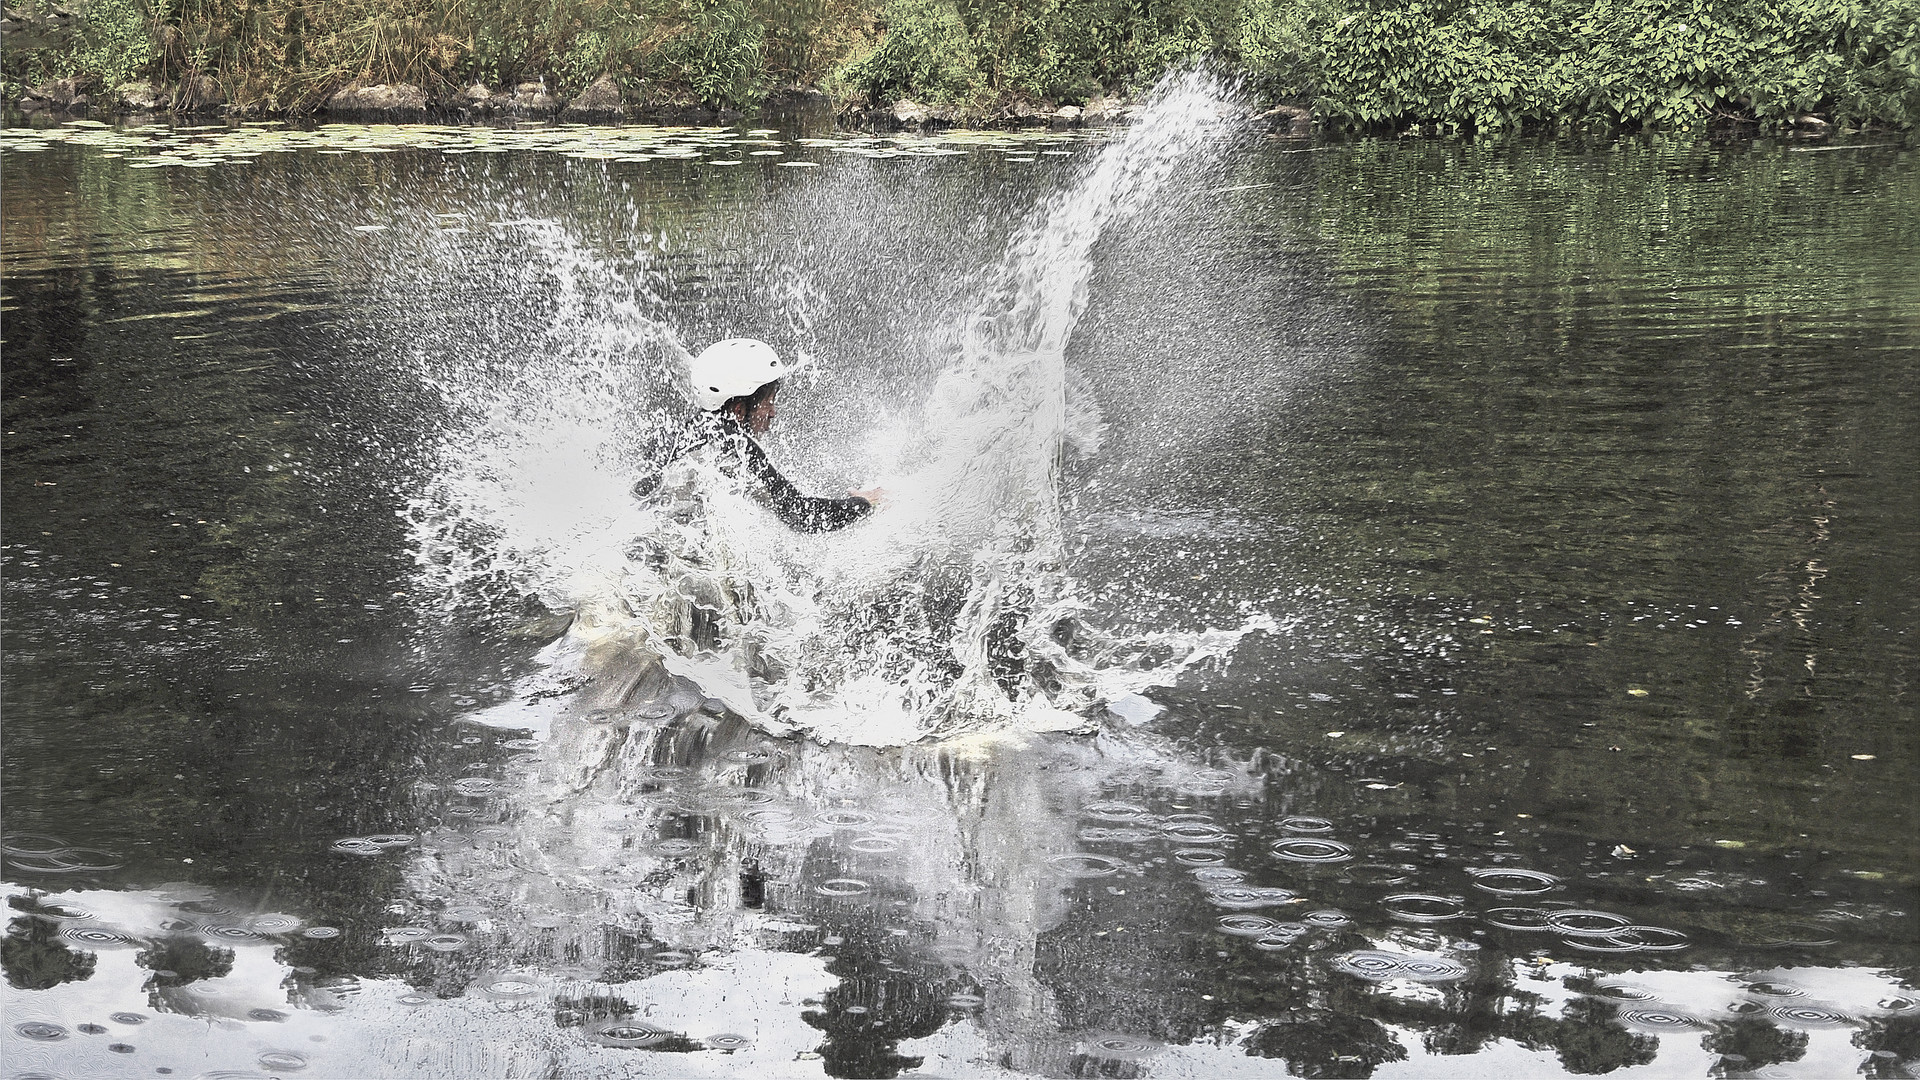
(874, 495)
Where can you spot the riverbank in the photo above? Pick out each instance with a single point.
(602, 102)
(1501, 66)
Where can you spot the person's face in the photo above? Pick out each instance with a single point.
(760, 418)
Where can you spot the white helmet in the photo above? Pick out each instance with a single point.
(734, 368)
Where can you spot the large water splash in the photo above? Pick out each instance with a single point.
(950, 609)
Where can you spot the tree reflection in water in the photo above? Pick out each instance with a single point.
(34, 955)
(886, 994)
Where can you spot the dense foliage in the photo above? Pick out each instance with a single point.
(1475, 65)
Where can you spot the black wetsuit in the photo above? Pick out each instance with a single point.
(802, 513)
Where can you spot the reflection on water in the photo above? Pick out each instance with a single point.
(688, 887)
(1574, 481)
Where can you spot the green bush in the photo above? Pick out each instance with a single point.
(718, 55)
(927, 52)
(1668, 63)
(111, 40)
(115, 42)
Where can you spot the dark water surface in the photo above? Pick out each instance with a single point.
(1578, 481)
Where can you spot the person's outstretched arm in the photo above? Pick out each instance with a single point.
(801, 513)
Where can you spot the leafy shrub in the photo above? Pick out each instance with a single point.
(717, 56)
(111, 40)
(927, 52)
(1670, 63)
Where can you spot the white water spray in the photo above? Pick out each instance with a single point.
(949, 610)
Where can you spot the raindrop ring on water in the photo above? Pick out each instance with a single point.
(1517, 918)
(1432, 969)
(1112, 1046)
(1371, 964)
(1199, 857)
(96, 936)
(728, 1041)
(1811, 1016)
(40, 1031)
(89, 859)
(1420, 907)
(1312, 851)
(1512, 882)
(874, 845)
(1658, 1020)
(1306, 824)
(843, 886)
(1246, 896)
(1327, 917)
(1587, 923)
(1623, 992)
(1601, 944)
(507, 987)
(626, 1034)
(844, 819)
(1218, 875)
(32, 845)
(1195, 833)
(1114, 811)
(1241, 925)
(321, 933)
(1651, 938)
(1086, 864)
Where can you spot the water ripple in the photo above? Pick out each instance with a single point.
(626, 1034)
(1084, 864)
(1114, 1046)
(1659, 1019)
(1505, 881)
(1420, 907)
(1312, 851)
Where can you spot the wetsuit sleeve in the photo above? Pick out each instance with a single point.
(800, 513)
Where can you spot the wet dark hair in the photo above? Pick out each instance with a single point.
(750, 402)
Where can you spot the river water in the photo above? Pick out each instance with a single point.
(1377, 608)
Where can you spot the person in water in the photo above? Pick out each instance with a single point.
(734, 384)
